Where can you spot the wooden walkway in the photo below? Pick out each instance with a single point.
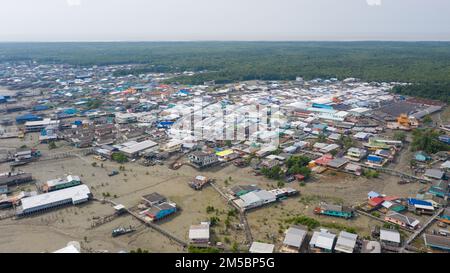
(151, 225)
(422, 228)
(242, 214)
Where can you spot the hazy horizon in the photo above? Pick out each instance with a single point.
(231, 20)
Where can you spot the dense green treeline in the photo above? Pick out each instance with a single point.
(425, 63)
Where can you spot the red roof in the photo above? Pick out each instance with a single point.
(299, 177)
(376, 201)
(391, 198)
(323, 160)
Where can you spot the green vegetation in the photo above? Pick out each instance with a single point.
(427, 140)
(139, 250)
(193, 249)
(210, 209)
(400, 135)
(235, 247)
(94, 104)
(371, 174)
(427, 119)
(214, 220)
(424, 64)
(52, 145)
(312, 223)
(119, 157)
(272, 173)
(305, 221)
(297, 165)
(338, 227)
(345, 141)
(321, 137)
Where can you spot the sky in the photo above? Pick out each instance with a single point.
(190, 20)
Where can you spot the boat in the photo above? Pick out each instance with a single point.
(121, 231)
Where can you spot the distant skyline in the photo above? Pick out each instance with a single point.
(224, 20)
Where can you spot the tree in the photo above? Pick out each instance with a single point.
(322, 137)
(427, 119)
(427, 140)
(400, 135)
(345, 141)
(297, 165)
(52, 145)
(228, 143)
(272, 173)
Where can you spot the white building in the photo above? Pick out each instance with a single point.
(199, 234)
(258, 247)
(41, 202)
(255, 199)
(133, 149)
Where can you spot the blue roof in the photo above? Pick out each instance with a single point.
(413, 201)
(374, 158)
(373, 194)
(28, 117)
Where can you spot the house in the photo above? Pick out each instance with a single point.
(355, 154)
(202, 159)
(159, 211)
(58, 184)
(346, 242)
(390, 237)
(401, 220)
(445, 165)
(420, 206)
(373, 194)
(199, 234)
(172, 146)
(294, 239)
(258, 247)
(154, 199)
(329, 148)
(434, 174)
(243, 189)
(421, 156)
(439, 188)
(322, 241)
(353, 168)
(38, 125)
(362, 136)
(445, 217)
(375, 202)
(437, 241)
(334, 210)
(374, 160)
(323, 160)
(337, 163)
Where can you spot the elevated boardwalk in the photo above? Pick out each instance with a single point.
(151, 225)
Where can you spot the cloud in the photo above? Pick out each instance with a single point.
(73, 3)
(373, 2)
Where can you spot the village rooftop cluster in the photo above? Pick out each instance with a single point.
(307, 128)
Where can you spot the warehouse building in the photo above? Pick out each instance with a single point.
(38, 125)
(133, 149)
(255, 199)
(42, 202)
